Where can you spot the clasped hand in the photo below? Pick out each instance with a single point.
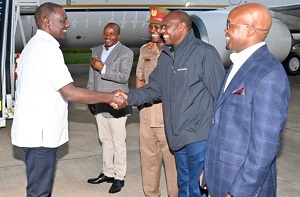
(96, 63)
(119, 100)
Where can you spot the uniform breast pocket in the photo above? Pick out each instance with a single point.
(149, 66)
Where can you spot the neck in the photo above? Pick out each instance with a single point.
(160, 45)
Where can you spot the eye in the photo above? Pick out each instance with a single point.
(63, 21)
(165, 26)
(157, 27)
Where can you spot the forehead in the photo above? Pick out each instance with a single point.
(170, 18)
(60, 12)
(110, 28)
(239, 13)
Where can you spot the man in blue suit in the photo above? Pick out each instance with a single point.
(250, 111)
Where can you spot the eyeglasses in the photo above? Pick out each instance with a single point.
(229, 25)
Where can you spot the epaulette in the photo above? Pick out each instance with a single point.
(151, 45)
(147, 45)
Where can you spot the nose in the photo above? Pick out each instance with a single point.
(68, 24)
(162, 30)
(105, 36)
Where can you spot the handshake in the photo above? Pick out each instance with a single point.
(119, 99)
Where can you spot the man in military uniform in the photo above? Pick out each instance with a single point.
(153, 143)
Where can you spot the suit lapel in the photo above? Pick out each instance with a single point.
(240, 75)
(113, 54)
(223, 84)
(97, 51)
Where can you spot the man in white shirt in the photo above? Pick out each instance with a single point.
(44, 87)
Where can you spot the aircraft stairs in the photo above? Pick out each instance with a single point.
(10, 18)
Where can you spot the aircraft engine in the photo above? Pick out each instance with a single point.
(209, 27)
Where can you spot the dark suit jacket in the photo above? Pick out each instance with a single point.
(245, 131)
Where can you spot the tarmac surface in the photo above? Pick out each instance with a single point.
(81, 158)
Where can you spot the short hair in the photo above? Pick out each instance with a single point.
(116, 26)
(45, 11)
(184, 18)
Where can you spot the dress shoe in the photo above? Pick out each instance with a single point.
(116, 186)
(100, 179)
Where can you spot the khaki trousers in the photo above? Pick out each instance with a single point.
(112, 134)
(155, 152)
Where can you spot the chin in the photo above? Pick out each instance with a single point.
(61, 38)
(155, 40)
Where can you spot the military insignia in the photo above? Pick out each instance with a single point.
(154, 12)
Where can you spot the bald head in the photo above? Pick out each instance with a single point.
(247, 25)
(254, 14)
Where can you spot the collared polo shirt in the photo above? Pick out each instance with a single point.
(41, 113)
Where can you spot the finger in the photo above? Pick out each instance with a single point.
(114, 105)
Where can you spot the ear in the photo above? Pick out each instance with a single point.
(46, 23)
(251, 31)
(182, 26)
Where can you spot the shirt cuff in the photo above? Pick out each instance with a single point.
(103, 70)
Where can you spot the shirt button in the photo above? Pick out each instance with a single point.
(212, 122)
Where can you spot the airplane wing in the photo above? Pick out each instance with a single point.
(289, 15)
(293, 10)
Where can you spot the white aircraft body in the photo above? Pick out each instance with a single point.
(88, 18)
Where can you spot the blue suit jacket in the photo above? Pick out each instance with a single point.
(245, 131)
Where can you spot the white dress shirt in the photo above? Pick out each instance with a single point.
(238, 59)
(105, 54)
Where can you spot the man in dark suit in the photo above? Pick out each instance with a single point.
(110, 69)
(250, 112)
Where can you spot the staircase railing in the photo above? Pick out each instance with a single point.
(10, 18)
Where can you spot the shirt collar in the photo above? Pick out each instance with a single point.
(110, 48)
(46, 36)
(241, 57)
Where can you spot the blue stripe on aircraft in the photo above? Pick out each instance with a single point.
(72, 10)
(129, 9)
